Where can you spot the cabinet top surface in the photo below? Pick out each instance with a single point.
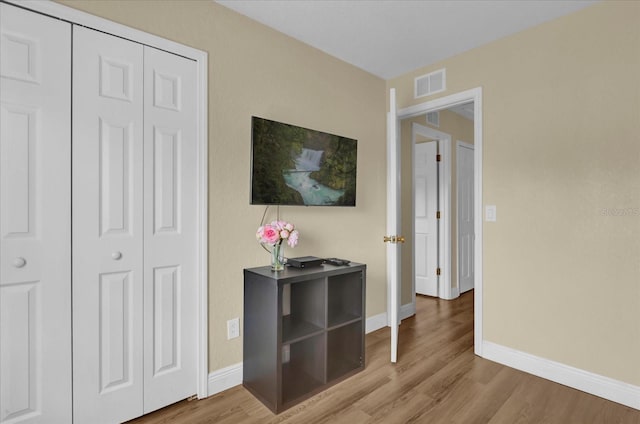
(293, 273)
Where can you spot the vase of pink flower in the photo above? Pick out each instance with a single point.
(274, 235)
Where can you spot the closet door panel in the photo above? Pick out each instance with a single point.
(35, 203)
(169, 229)
(107, 227)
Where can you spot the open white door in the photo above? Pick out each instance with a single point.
(425, 198)
(393, 224)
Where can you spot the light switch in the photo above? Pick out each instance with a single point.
(490, 213)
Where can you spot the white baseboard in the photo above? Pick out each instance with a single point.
(604, 387)
(407, 310)
(225, 378)
(375, 322)
(379, 321)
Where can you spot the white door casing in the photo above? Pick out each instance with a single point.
(465, 218)
(473, 95)
(425, 195)
(35, 247)
(107, 227)
(170, 289)
(393, 224)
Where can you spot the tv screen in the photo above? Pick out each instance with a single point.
(291, 165)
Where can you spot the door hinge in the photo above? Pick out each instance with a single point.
(438, 158)
(437, 271)
(438, 215)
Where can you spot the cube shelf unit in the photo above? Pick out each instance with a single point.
(303, 331)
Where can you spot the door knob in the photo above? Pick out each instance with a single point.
(19, 262)
(116, 256)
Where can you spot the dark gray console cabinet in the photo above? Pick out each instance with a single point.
(303, 331)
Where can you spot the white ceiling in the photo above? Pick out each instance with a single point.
(389, 38)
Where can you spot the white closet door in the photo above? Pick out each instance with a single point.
(107, 227)
(35, 245)
(170, 287)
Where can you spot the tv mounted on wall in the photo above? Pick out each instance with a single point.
(292, 165)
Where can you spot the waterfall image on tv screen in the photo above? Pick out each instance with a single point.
(297, 166)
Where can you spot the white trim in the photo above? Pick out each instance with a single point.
(459, 144)
(77, 17)
(379, 321)
(376, 322)
(473, 95)
(444, 199)
(455, 293)
(444, 288)
(407, 310)
(224, 379)
(598, 385)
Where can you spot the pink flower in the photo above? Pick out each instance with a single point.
(270, 235)
(276, 232)
(293, 238)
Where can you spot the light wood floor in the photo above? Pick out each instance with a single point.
(437, 379)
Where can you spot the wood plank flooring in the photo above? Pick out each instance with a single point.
(437, 379)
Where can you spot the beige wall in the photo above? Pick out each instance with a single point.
(460, 129)
(254, 70)
(561, 159)
(561, 155)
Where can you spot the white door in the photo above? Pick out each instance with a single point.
(107, 227)
(466, 233)
(393, 224)
(425, 195)
(170, 287)
(35, 245)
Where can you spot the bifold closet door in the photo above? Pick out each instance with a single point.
(170, 289)
(35, 210)
(134, 216)
(107, 228)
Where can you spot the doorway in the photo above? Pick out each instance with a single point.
(464, 99)
(431, 197)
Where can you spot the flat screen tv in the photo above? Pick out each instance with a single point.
(292, 165)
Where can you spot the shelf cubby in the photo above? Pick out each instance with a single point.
(345, 353)
(304, 371)
(304, 313)
(345, 298)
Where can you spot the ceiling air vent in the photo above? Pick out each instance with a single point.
(432, 83)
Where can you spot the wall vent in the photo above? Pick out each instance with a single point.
(433, 119)
(431, 83)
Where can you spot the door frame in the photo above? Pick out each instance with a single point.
(200, 57)
(444, 202)
(473, 95)
(459, 144)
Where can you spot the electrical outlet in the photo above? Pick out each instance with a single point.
(233, 328)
